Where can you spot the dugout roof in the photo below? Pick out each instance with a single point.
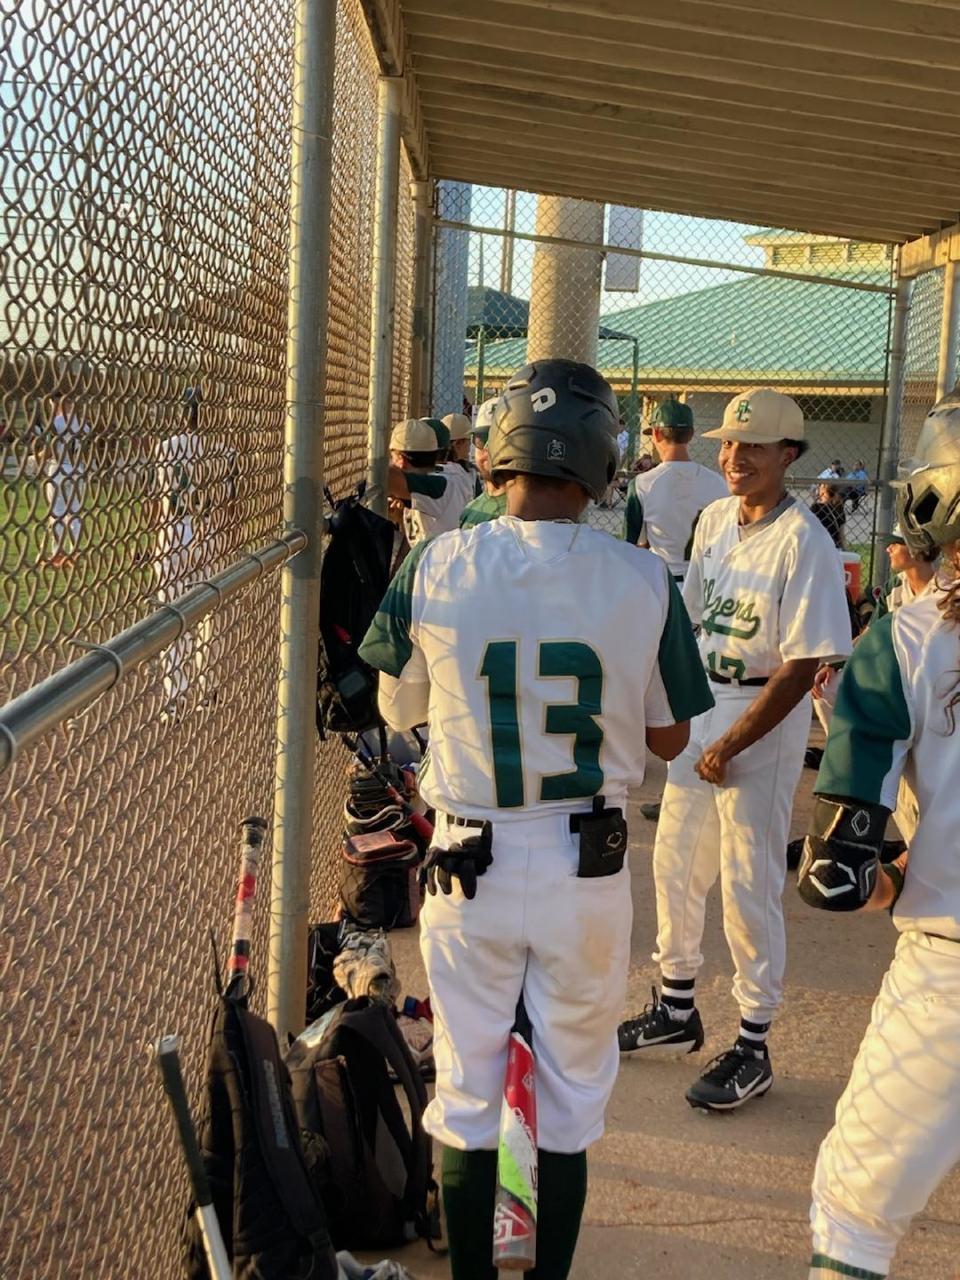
(836, 116)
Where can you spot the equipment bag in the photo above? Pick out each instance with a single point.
(353, 579)
(269, 1207)
(375, 1170)
(378, 881)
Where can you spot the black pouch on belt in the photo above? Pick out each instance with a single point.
(603, 840)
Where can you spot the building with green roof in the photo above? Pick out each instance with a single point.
(824, 345)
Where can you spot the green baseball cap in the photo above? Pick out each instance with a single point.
(670, 413)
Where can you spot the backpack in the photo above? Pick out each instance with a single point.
(353, 579)
(270, 1210)
(374, 1169)
(379, 884)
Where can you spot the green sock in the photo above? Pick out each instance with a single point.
(469, 1182)
(561, 1193)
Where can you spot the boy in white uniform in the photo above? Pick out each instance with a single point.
(664, 505)
(766, 586)
(897, 1130)
(460, 429)
(544, 655)
(423, 497)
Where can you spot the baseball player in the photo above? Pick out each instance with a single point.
(459, 428)
(65, 468)
(897, 1128)
(766, 586)
(424, 499)
(543, 655)
(664, 504)
(492, 502)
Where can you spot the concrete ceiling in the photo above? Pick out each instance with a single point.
(836, 116)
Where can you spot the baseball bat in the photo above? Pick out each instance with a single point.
(515, 1207)
(168, 1058)
(419, 823)
(253, 832)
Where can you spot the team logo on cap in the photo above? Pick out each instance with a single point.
(545, 398)
(556, 450)
(743, 410)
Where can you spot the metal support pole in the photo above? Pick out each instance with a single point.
(506, 261)
(890, 433)
(314, 34)
(383, 302)
(949, 318)
(478, 393)
(633, 425)
(420, 353)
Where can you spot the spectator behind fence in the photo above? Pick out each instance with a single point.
(829, 510)
(62, 455)
(857, 492)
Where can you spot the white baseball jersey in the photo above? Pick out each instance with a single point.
(767, 593)
(891, 721)
(543, 649)
(664, 506)
(437, 499)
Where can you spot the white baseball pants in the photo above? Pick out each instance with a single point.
(534, 926)
(897, 1129)
(64, 490)
(738, 831)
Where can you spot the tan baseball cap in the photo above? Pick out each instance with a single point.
(418, 435)
(760, 416)
(458, 424)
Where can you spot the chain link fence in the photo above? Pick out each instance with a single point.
(144, 317)
(922, 357)
(711, 308)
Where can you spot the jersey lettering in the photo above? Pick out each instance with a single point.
(556, 659)
(716, 606)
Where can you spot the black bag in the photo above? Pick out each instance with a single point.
(270, 1210)
(323, 991)
(353, 579)
(374, 1169)
(379, 888)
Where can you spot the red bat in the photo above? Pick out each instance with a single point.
(419, 823)
(254, 830)
(515, 1209)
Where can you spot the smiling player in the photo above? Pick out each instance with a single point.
(766, 586)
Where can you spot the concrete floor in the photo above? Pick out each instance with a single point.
(679, 1195)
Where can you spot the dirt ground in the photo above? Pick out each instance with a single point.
(679, 1195)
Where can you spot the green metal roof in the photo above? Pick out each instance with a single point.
(760, 329)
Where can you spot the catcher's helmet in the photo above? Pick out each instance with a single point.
(557, 418)
(928, 497)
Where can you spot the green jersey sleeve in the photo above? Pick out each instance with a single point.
(872, 727)
(680, 683)
(388, 644)
(633, 517)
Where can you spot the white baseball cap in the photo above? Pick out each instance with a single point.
(458, 424)
(760, 416)
(419, 435)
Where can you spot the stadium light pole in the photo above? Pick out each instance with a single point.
(309, 256)
(947, 361)
(890, 432)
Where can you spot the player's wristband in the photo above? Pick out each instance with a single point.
(896, 875)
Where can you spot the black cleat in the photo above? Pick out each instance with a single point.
(731, 1079)
(655, 1028)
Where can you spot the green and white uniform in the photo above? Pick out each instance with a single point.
(897, 1130)
(488, 506)
(664, 505)
(538, 652)
(763, 594)
(437, 499)
(897, 591)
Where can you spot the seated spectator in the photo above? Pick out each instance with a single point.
(829, 510)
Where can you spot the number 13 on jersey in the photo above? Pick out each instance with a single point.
(556, 659)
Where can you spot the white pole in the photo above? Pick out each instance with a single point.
(949, 318)
(314, 34)
(383, 290)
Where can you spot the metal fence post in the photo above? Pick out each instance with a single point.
(383, 302)
(420, 375)
(890, 434)
(314, 36)
(947, 362)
